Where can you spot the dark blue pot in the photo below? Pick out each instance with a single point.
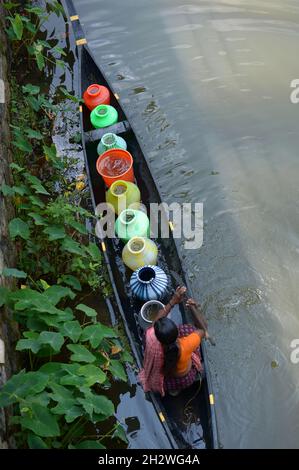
(149, 283)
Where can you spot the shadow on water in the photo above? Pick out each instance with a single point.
(193, 81)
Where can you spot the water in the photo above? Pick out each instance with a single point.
(207, 85)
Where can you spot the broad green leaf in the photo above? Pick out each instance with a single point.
(117, 370)
(17, 25)
(16, 167)
(36, 184)
(28, 344)
(96, 333)
(120, 434)
(55, 340)
(72, 413)
(50, 152)
(90, 445)
(21, 385)
(36, 201)
(72, 246)
(90, 312)
(59, 50)
(38, 219)
(41, 421)
(80, 353)
(19, 228)
(35, 442)
(39, 59)
(12, 272)
(10, 5)
(72, 330)
(31, 27)
(55, 232)
(33, 134)
(94, 252)
(70, 281)
(33, 102)
(72, 378)
(56, 293)
(22, 144)
(78, 226)
(63, 405)
(93, 374)
(7, 190)
(98, 403)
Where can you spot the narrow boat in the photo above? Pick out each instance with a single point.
(188, 419)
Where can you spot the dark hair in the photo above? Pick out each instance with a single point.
(167, 333)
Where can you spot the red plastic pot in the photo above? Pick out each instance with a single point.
(115, 164)
(96, 95)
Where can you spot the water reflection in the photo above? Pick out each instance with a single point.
(218, 127)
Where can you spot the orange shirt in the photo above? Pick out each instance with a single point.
(188, 344)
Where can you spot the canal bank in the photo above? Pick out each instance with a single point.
(8, 329)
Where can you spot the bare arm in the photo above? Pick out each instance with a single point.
(175, 299)
(199, 319)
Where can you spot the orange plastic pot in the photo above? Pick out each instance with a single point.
(115, 164)
(96, 95)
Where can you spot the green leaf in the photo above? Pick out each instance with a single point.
(33, 134)
(55, 340)
(12, 272)
(36, 184)
(72, 246)
(50, 152)
(97, 404)
(7, 190)
(59, 50)
(78, 226)
(72, 378)
(16, 167)
(22, 144)
(37, 10)
(70, 281)
(69, 96)
(38, 219)
(21, 385)
(28, 344)
(56, 293)
(72, 330)
(117, 370)
(120, 434)
(55, 232)
(10, 5)
(96, 333)
(31, 27)
(90, 445)
(17, 25)
(35, 442)
(72, 413)
(31, 89)
(80, 353)
(19, 228)
(94, 252)
(90, 312)
(33, 102)
(4, 295)
(39, 59)
(93, 374)
(41, 421)
(36, 201)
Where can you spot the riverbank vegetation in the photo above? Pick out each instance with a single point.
(69, 358)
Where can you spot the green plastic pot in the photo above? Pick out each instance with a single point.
(103, 115)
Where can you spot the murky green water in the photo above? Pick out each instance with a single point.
(207, 85)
